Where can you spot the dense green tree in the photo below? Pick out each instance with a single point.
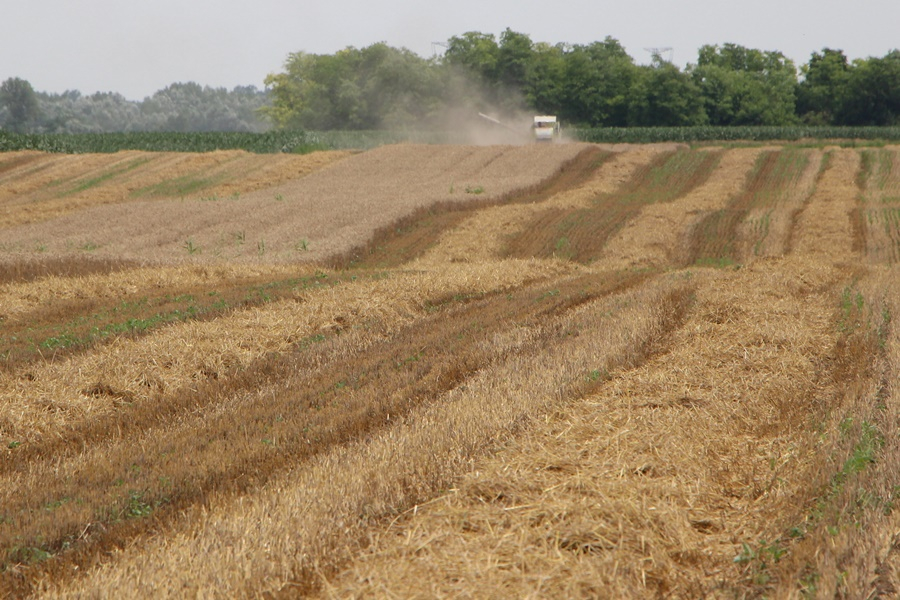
(545, 78)
(369, 88)
(592, 85)
(514, 56)
(823, 90)
(873, 92)
(664, 96)
(178, 107)
(597, 81)
(475, 52)
(744, 86)
(21, 103)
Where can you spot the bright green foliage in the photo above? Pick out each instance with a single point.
(823, 91)
(598, 80)
(371, 88)
(282, 141)
(873, 92)
(743, 86)
(663, 96)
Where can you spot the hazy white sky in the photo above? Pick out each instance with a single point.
(139, 47)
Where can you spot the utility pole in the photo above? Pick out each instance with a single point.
(658, 52)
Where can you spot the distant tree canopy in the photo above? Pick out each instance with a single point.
(20, 103)
(179, 107)
(591, 85)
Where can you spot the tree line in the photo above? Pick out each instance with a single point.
(180, 107)
(587, 86)
(592, 85)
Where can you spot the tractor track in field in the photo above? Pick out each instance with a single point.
(421, 361)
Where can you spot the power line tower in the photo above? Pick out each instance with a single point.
(658, 52)
(436, 45)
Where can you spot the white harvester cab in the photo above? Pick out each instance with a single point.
(546, 128)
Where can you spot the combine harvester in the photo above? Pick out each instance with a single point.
(545, 128)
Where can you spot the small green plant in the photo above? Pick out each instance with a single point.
(191, 247)
(29, 555)
(240, 237)
(137, 507)
(13, 445)
(261, 247)
(88, 246)
(302, 246)
(474, 189)
(597, 375)
(547, 294)
(279, 198)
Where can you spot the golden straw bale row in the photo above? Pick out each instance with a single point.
(823, 230)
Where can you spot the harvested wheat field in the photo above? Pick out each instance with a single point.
(551, 371)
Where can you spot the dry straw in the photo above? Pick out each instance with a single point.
(39, 399)
(705, 433)
(328, 212)
(46, 186)
(312, 517)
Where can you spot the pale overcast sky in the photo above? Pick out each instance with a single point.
(138, 47)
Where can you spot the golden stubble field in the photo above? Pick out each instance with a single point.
(451, 371)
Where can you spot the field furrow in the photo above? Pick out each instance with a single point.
(756, 221)
(659, 234)
(824, 230)
(485, 235)
(648, 486)
(47, 186)
(410, 461)
(328, 212)
(880, 205)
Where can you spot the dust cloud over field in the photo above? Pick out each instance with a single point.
(484, 371)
